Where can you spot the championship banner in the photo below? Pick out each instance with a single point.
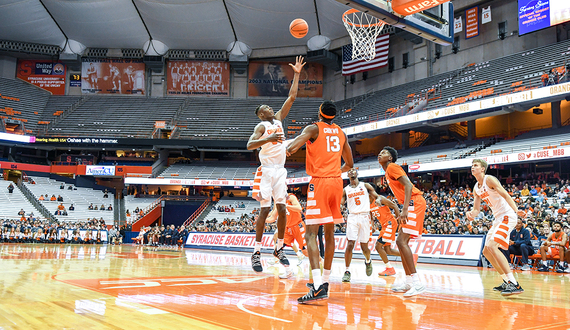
(275, 78)
(44, 74)
(117, 76)
(428, 246)
(198, 78)
(471, 22)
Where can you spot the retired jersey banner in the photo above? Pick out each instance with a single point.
(112, 76)
(44, 74)
(198, 78)
(275, 79)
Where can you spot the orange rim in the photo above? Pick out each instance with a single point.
(353, 11)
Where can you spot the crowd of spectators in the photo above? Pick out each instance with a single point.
(160, 236)
(44, 231)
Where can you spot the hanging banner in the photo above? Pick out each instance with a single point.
(471, 22)
(198, 78)
(112, 76)
(457, 25)
(486, 15)
(275, 78)
(44, 74)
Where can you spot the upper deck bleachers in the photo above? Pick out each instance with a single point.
(80, 198)
(117, 116)
(512, 73)
(22, 101)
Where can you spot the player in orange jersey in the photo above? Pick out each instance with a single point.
(326, 145)
(411, 219)
(554, 246)
(295, 231)
(388, 233)
(268, 135)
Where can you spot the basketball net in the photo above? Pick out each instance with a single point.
(363, 30)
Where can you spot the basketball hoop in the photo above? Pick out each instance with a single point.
(363, 30)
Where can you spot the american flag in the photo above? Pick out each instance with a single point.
(350, 66)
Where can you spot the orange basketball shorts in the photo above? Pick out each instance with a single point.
(295, 233)
(416, 214)
(388, 232)
(323, 201)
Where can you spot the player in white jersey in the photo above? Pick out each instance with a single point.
(505, 211)
(358, 223)
(269, 135)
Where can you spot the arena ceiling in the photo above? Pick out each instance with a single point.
(178, 24)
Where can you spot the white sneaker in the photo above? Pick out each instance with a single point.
(273, 261)
(288, 273)
(525, 267)
(301, 258)
(416, 289)
(401, 287)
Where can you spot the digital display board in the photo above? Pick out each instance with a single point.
(536, 15)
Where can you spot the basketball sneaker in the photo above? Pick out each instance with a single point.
(315, 294)
(525, 267)
(256, 262)
(501, 287)
(401, 287)
(346, 276)
(279, 254)
(543, 268)
(512, 289)
(300, 258)
(415, 290)
(368, 267)
(388, 272)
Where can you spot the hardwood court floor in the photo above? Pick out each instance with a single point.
(126, 287)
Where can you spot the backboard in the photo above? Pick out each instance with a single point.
(434, 24)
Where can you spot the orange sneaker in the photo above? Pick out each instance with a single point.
(415, 259)
(388, 272)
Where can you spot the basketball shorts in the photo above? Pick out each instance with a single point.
(273, 184)
(553, 252)
(388, 233)
(323, 201)
(416, 214)
(358, 226)
(501, 229)
(295, 233)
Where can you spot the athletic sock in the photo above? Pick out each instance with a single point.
(257, 247)
(409, 279)
(348, 269)
(415, 278)
(545, 262)
(279, 243)
(388, 265)
(512, 279)
(317, 278)
(367, 260)
(505, 277)
(326, 275)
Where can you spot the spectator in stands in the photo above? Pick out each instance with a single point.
(71, 207)
(106, 193)
(562, 210)
(520, 244)
(41, 198)
(70, 187)
(59, 198)
(96, 208)
(110, 208)
(554, 246)
(10, 188)
(90, 207)
(102, 207)
(553, 77)
(53, 198)
(525, 191)
(62, 186)
(21, 212)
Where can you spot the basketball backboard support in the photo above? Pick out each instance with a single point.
(434, 24)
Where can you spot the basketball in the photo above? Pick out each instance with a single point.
(299, 28)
